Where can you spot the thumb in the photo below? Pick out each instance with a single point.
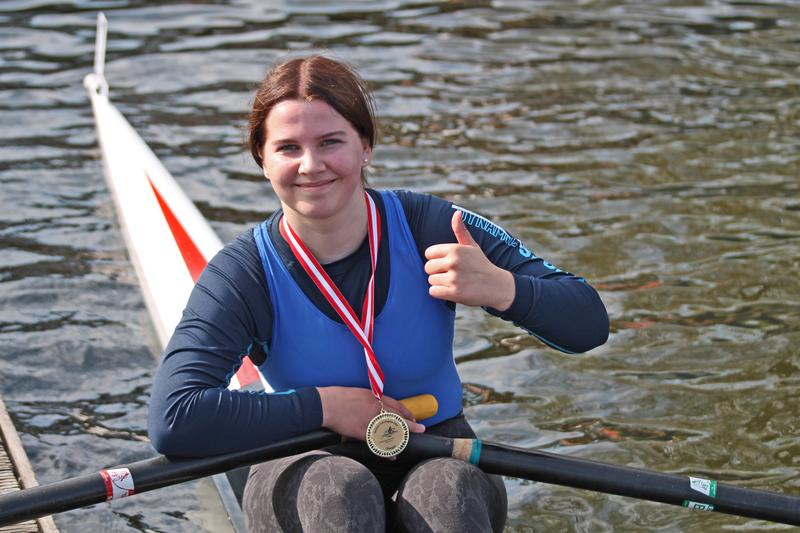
(463, 235)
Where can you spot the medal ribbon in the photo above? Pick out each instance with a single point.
(363, 329)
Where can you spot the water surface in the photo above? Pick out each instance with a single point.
(653, 148)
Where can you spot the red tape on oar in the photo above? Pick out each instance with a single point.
(119, 483)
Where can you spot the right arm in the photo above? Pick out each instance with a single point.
(192, 413)
(229, 312)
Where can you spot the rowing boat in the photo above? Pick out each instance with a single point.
(168, 240)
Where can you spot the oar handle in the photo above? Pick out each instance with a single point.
(422, 406)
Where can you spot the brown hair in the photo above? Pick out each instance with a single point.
(307, 78)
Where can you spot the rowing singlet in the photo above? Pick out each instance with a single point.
(413, 338)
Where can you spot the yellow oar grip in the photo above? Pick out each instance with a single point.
(421, 406)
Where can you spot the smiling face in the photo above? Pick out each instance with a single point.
(314, 157)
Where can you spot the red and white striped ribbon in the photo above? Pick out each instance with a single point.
(363, 329)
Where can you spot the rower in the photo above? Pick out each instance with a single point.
(345, 300)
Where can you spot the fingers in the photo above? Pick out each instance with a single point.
(450, 274)
(443, 279)
(416, 427)
(397, 407)
(390, 404)
(439, 265)
(438, 250)
(440, 292)
(348, 410)
(461, 232)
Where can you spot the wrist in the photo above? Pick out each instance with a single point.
(325, 404)
(506, 291)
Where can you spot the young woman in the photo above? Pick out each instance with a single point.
(345, 298)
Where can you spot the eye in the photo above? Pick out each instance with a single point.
(331, 142)
(287, 148)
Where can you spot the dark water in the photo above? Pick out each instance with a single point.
(652, 148)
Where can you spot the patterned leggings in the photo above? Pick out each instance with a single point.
(346, 488)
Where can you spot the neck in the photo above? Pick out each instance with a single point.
(335, 237)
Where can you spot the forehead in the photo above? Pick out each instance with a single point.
(304, 117)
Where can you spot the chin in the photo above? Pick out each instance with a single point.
(317, 210)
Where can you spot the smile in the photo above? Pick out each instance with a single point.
(315, 184)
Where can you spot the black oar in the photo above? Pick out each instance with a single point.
(494, 458)
(696, 493)
(146, 475)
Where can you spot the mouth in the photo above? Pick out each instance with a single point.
(315, 184)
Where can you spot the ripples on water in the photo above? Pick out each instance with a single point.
(652, 148)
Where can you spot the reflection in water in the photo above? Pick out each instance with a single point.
(652, 148)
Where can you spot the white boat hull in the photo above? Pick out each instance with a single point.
(168, 239)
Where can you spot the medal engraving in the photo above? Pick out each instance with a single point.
(387, 434)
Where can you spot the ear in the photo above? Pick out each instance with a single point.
(264, 159)
(366, 157)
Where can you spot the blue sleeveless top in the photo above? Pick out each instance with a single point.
(413, 337)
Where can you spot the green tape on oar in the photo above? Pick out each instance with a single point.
(475, 456)
(468, 450)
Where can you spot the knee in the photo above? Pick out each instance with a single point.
(340, 494)
(444, 473)
(314, 492)
(446, 494)
(343, 478)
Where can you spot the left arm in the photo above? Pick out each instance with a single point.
(480, 264)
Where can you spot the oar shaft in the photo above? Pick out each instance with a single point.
(147, 475)
(161, 471)
(636, 483)
(612, 479)
(43, 500)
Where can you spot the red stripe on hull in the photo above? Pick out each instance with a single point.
(247, 373)
(194, 260)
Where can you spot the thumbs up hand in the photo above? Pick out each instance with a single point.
(462, 273)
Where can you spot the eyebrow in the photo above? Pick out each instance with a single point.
(323, 136)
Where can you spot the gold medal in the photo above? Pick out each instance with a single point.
(387, 434)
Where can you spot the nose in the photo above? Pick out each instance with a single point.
(310, 163)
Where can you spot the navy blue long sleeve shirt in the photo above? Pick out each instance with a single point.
(230, 315)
